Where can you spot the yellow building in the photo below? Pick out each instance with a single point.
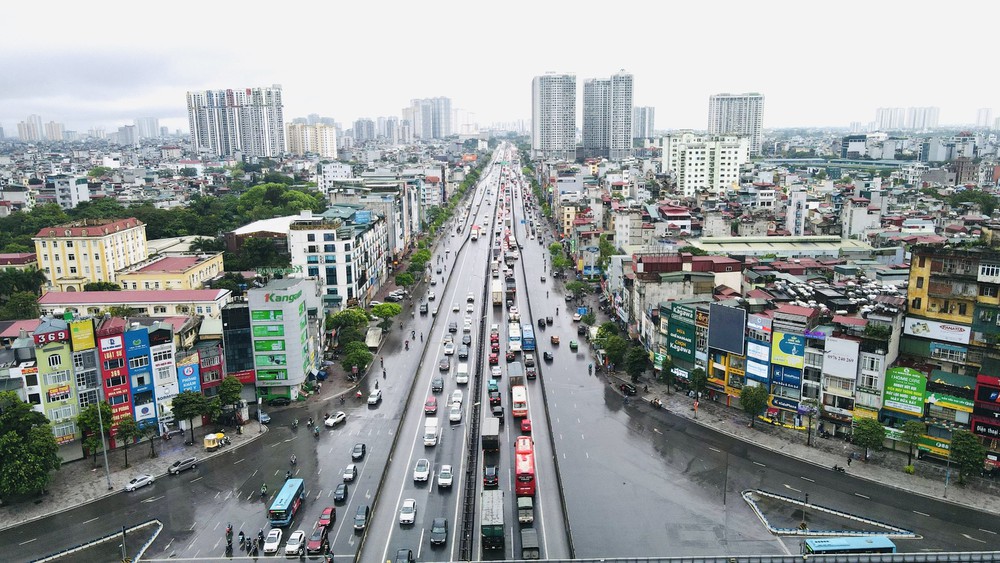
(185, 271)
(91, 250)
(568, 216)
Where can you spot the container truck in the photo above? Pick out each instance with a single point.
(491, 521)
(496, 292)
(491, 435)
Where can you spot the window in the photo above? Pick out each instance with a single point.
(138, 362)
(71, 256)
(86, 380)
(329, 237)
(114, 363)
(141, 379)
(989, 270)
(311, 237)
(963, 308)
(871, 363)
(329, 248)
(920, 283)
(159, 309)
(55, 361)
(62, 413)
(162, 355)
(210, 376)
(199, 309)
(211, 361)
(915, 303)
(72, 269)
(64, 430)
(118, 399)
(988, 290)
(164, 375)
(115, 381)
(69, 244)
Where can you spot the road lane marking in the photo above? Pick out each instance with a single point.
(197, 479)
(921, 513)
(91, 520)
(239, 461)
(759, 463)
(582, 437)
(153, 499)
(29, 541)
(980, 529)
(862, 496)
(791, 488)
(807, 479)
(710, 447)
(967, 536)
(276, 444)
(584, 453)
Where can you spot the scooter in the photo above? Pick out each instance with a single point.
(316, 431)
(295, 424)
(839, 469)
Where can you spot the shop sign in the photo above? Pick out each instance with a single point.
(904, 390)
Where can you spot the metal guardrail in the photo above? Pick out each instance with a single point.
(940, 557)
(65, 553)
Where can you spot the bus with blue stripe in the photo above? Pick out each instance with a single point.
(859, 544)
(287, 503)
(527, 338)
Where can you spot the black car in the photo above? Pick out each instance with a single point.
(463, 352)
(628, 389)
(280, 402)
(541, 323)
(497, 411)
(340, 493)
(581, 330)
(491, 476)
(358, 452)
(453, 326)
(444, 364)
(437, 384)
(404, 556)
(547, 356)
(467, 339)
(439, 531)
(423, 308)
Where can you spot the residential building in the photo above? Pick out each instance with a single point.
(922, 118)
(178, 302)
(66, 190)
(553, 117)
(318, 139)
(90, 250)
(430, 118)
(146, 127)
(31, 130)
(890, 119)
(54, 131)
(738, 114)
(328, 173)
(245, 123)
(796, 211)
(607, 117)
(858, 217)
(237, 344)
(173, 271)
(709, 163)
(364, 130)
(643, 122)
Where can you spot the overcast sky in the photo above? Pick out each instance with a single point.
(104, 63)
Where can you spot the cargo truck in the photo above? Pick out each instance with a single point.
(496, 293)
(491, 435)
(491, 526)
(529, 544)
(431, 431)
(515, 375)
(525, 510)
(374, 338)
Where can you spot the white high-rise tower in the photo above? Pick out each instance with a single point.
(248, 121)
(738, 114)
(553, 116)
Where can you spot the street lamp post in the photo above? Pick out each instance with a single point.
(260, 425)
(104, 446)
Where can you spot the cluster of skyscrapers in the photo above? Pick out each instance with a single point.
(32, 130)
(914, 118)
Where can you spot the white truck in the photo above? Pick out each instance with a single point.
(373, 338)
(496, 292)
(431, 431)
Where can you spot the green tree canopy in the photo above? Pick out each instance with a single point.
(101, 286)
(968, 454)
(98, 171)
(256, 252)
(353, 316)
(589, 319)
(699, 380)
(754, 401)
(90, 424)
(231, 391)
(21, 305)
(360, 358)
(615, 348)
(913, 431)
(693, 250)
(405, 279)
(577, 288)
(868, 433)
(386, 312)
(636, 362)
(187, 405)
(127, 431)
(555, 249)
(28, 450)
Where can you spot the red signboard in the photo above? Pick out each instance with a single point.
(245, 376)
(61, 335)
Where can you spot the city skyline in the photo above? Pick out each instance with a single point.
(96, 83)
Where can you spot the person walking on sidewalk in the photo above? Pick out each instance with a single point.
(849, 458)
(382, 360)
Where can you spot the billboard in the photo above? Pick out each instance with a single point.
(188, 375)
(788, 350)
(787, 377)
(841, 357)
(82, 335)
(727, 328)
(904, 390)
(934, 330)
(680, 341)
(758, 351)
(757, 371)
(268, 315)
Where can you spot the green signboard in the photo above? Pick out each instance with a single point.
(267, 315)
(271, 360)
(269, 330)
(658, 360)
(268, 345)
(904, 390)
(272, 374)
(680, 340)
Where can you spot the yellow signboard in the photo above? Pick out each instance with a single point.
(82, 335)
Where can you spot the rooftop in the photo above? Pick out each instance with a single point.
(89, 228)
(139, 296)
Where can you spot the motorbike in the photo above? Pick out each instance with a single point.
(316, 431)
(263, 490)
(295, 424)
(839, 469)
(242, 540)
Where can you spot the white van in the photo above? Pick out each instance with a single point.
(462, 375)
(431, 431)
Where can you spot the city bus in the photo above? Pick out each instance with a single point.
(518, 401)
(524, 474)
(523, 445)
(527, 338)
(514, 337)
(287, 503)
(860, 544)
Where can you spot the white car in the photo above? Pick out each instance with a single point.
(496, 372)
(408, 512)
(336, 419)
(456, 397)
(455, 413)
(431, 296)
(455, 307)
(468, 326)
(470, 297)
(272, 541)
(449, 348)
(444, 476)
(375, 397)
(470, 308)
(139, 481)
(422, 470)
(494, 329)
(576, 317)
(296, 543)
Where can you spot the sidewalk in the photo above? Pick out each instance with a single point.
(79, 482)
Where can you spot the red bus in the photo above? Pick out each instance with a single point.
(524, 474)
(524, 445)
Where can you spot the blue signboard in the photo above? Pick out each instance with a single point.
(786, 404)
(363, 216)
(786, 376)
(189, 377)
(581, 311)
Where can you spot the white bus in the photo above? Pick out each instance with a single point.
(514, 337)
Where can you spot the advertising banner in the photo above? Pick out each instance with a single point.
(680, 341)
(986, 428)
(841, 357)
(788, 350)
(727, 328)
(267, 331)
(786, 376)
(759, 323)
(904, 390)
(112, 343)
(682, 314)
(934, 330)
(82, 335)
(949, 402)
(188, 374)
(758, 351)
(268, 345)
(757, 371)
(267, 315)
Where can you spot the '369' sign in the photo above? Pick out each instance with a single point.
(49, 337)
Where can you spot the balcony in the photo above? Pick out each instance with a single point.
(952, 290)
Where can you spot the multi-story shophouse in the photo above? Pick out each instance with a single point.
(114, 372)
(140, 375)
(56, 385)
(237, 343)
(793, 332)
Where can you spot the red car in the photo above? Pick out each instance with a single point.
(511, 356)
(494, 359)
(495, 338)
(526, 425)
(495, 347)
(431, 406)
(329, 516)
(317, 542)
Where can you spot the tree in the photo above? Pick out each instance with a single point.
(556, 249)
(151, 433)
(913, 431)
(560, 262)
(355, 347)
(385, 312)
(188, 172)
(693, 250)
(615, 348)
(606, 249)
(203, 244)
(636, 362)
(257, 252)
(359, 358)
(21, 305)
(589, 319)
(102, 286)
(968, 453)
(405, 280)
(28, 450)
(126, 432)
(121, 311)
(605, 331)
(868, 433)
(754, 401)
(90, 424)
(699, 380)
(577, 288)
(187, 405)
(231, 391)
(351, 317)
(350, 334)
(98, 171)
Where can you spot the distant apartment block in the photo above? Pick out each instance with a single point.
(318, 139)
(738, 114)
(246, 122)
(607, 116)
(66, 190)
(553, 117)
(91, 250)
(430, 118)
(704, 162)
(643, 122)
